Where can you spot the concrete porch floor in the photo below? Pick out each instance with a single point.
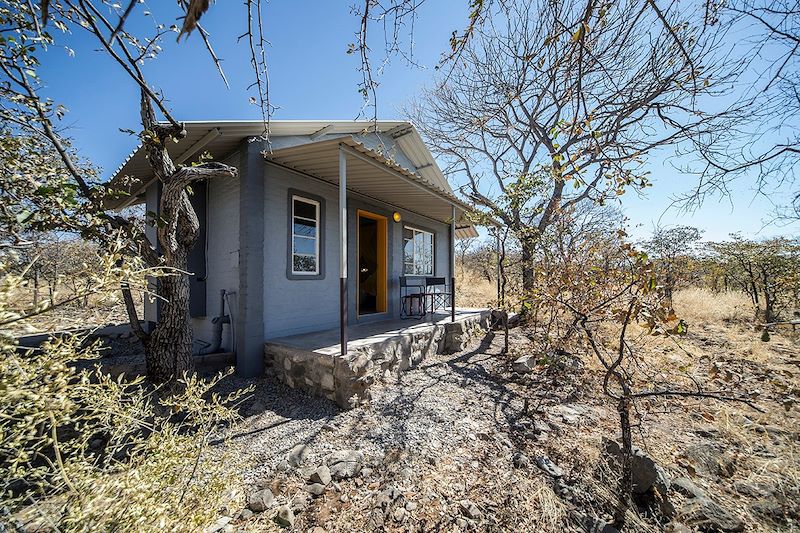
(312, 361)
(362, 335)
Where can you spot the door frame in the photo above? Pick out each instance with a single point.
(381, 303)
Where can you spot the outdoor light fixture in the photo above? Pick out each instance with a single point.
(396, 216)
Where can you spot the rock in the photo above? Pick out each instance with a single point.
(256, 408)
(677, 527)
(285, 516)
(219, 525)
(260, 500)
(520, 460)
(756, 490)
(687, 487)
(644, 470)
(549, 467)
(297, 455)
(344, 464)
(399, 514)
(709, 516)
(596, 525)
(411, 506)
(710, 460)
(470, 510)
(299, 502)
(245, 514)
(283, 466)
(321, 475)
(524, 364)
(315, 489)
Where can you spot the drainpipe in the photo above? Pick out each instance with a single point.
(217, 322)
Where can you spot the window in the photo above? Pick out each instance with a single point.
(417, 252)
(305, 236)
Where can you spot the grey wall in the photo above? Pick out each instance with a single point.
(298, 306)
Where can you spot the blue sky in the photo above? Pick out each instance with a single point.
(312, 77)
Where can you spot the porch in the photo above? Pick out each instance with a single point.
(314, 362)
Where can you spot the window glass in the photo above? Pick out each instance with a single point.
(417, 252)
(305, 236)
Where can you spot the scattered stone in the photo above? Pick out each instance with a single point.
(300, 502)
(709, 516)
(592, 524)
(687, 487)
(520, 460)
(549, 467)
(245, 514)
(366, 471)
(315, 489)
(219, 525)
(322, 475)
(470, 510)
(285, 516)
(524, 364)
(344, 464)
(646, 473)
(260, 500)
(283, 466)
(257, 407)
(399, 514)
(570, 414)
(297, 455)
(411, 506)
(677, 527)
(756, 490)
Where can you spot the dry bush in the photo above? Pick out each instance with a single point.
(81, 451)
(699, 305)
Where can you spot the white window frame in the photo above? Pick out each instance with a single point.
(316, 204)
(414, 231)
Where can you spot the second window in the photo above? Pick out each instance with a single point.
(417, 252)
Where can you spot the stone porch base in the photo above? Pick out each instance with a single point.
(375, 351)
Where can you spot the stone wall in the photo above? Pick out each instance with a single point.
(347, 379)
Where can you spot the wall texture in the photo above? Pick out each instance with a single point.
(301, 305)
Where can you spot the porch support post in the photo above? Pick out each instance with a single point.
(497, 261)
(342, 251)
(453, 265)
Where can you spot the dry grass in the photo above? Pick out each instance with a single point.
(474, 290)
(704, 306)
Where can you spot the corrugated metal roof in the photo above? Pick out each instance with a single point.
(371, 174)
(426, 192)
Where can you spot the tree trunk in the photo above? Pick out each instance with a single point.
(626, 479)
(528, 266)
(168, 350)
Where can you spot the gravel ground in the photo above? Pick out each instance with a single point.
(435, 437)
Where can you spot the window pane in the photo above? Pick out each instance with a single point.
(305, 228)
(408, 251)
(303, 245)
(427, 253)
(304, 263)
(408, 268)
(305, 210)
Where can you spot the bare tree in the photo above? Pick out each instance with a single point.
(757, 138)
(555, 103)
(71, 186)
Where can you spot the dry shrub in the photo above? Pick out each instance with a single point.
(80, 451)
(704, 306)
